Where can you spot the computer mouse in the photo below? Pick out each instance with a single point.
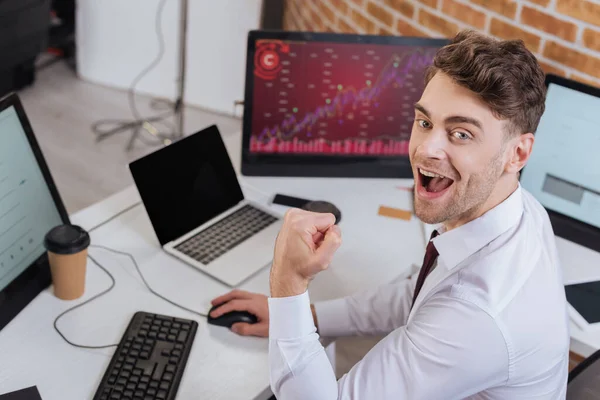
(231, 318)
(321, 206)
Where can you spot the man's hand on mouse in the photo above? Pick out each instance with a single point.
(239, 300)
(304, 247)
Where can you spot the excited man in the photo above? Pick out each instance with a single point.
(486, 317)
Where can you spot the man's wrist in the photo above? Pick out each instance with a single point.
(287, 284)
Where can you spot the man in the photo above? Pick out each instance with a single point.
(486, 317)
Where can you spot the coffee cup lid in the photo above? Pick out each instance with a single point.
(66, 239)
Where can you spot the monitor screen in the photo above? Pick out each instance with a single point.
(563, 171)
(323, 104)
(27, 207)
(336, 99)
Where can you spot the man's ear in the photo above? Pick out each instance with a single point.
(519, 151)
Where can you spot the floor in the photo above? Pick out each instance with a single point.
(62, 110)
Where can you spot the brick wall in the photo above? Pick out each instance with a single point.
(563, 34)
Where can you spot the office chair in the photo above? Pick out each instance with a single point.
(584, 379)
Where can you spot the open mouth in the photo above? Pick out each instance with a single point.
(433, 182)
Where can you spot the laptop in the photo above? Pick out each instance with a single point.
(198, 211)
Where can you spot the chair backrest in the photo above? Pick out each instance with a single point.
(584, 379)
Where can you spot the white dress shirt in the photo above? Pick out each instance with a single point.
(489, 323)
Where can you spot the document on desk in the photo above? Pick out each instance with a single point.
(30, 393)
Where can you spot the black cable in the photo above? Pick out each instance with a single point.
(108, 127)
(112, 285)
(154, 292)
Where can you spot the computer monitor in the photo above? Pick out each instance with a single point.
(29, 207)
(324, 104)
(563, 171)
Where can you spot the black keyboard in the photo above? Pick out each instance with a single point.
(149, 362)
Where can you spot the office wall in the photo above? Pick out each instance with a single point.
(563, 34)
(117, 39)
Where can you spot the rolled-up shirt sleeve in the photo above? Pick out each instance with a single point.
(371, 312)
(450, 349)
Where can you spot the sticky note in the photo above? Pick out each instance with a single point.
(394, 213)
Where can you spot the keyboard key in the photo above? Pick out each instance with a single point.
(137, 347)
(174, 331)
(164, 386)
(176, 325)
(148, 342)
(115, 396)
(134, 379)
(119, 388)
(173, 360)
(139, 393)
(112, 380)
(171, 338)
(178, 347)
(151, 392)
(176, 353)
(134, 353)
(137, 372)
(130, 361)
(168, 377)
(153, 385)
(128, 367)
(128, 393)
(182, 336)
(162, 336)
(144, 355)
(121, 381)
(161, 395)
(158, 371)
(118, 365)
(167, 323)
(145, 379)
(170, 368)
(152, 334)
(145, 326)
(166, 352)
(125, 374)
(143, 386)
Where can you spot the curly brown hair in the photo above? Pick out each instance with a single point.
(503, 73)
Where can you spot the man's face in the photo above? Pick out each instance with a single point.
(456, 152)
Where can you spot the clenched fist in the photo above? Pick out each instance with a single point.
(304, 247)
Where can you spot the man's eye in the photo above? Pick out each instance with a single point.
(424, 124)
(462, 135)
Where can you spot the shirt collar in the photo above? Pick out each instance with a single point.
(456, 245)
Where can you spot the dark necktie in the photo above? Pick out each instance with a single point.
(431, 254)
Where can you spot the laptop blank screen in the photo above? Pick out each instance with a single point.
(186, 184)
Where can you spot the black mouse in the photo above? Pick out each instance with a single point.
(231, 318)
(323, 207)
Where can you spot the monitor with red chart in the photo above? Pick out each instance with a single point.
(323, 104)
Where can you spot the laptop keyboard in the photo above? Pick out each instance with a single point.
(225, 234)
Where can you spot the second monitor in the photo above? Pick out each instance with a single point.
(321, 104)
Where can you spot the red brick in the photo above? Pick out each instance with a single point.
(585, 80)
(464, 13)
(508, 31)
(385, 32)
(547, 23)
(380, 14)
(508, 8)
(549, 69)
(406, 29)
(365, 24)
(437, 24)
(344, 27)
(572, 58)
(580, 9)
(404, 7)
(543, 3)
(591, 39)
(430, 3)
(340, 6)
(327, 14)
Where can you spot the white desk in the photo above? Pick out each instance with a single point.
(222, 365)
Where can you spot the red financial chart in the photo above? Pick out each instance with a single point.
(335, 98)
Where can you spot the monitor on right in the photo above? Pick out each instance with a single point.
(563, 171)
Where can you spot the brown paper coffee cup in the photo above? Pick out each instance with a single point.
(68, 274)
(67, 254)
